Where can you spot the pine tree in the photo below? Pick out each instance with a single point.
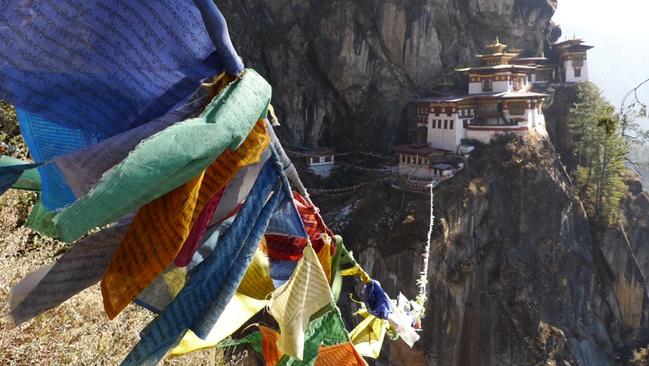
(600, 151)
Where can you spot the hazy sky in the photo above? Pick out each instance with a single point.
(619, 30)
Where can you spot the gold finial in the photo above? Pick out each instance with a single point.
(497, 47)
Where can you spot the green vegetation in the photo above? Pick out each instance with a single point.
(11, 142)
(601, 151)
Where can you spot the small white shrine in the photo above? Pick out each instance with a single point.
(573, 56)
(417, 160)
(320, 161)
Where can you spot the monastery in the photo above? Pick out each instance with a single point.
(504, 97)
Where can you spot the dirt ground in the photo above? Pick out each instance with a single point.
(75, 333)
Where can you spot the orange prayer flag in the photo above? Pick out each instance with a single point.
(269, 338)
(337, 355)
(161, 227)
(340, 354)
(324, 256)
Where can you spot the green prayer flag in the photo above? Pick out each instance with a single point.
(30, 180)
(40, 219)
(337, 278)
(169, 158)
(327, 330)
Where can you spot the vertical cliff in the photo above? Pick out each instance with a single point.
(518, 274)
(342, 70)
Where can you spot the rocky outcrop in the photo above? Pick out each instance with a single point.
(342, 70)
(517, 277)
(624, 247)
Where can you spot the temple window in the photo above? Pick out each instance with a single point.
(451, 125)
(445, 124)
(487, 85)
(577, 72)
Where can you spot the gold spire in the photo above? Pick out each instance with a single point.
(496, 47)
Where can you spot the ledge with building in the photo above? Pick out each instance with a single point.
(503, 98)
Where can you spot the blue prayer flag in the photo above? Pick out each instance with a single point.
(82, 71)
(215, 280)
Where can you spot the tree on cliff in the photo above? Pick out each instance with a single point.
(600, 150)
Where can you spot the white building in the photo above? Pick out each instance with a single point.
(320, 161)
(499, 101)
(573, 55)
(417, 161)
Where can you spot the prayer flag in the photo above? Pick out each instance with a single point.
(170, 158)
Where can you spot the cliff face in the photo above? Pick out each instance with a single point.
(516, 276)
(342, 70)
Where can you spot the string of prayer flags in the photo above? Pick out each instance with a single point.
(306, 292)
(160, 228)
(129, 127)
(156, 166)
(202, 300)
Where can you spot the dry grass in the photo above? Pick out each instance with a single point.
(77, 332)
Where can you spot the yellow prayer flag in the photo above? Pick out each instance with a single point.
(256, 282)
(356, 271)
(369, 334)
(238, 311)
(306, 292)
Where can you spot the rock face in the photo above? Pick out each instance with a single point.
(517, 277)
(343, 70)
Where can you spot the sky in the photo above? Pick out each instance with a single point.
(619, 30)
